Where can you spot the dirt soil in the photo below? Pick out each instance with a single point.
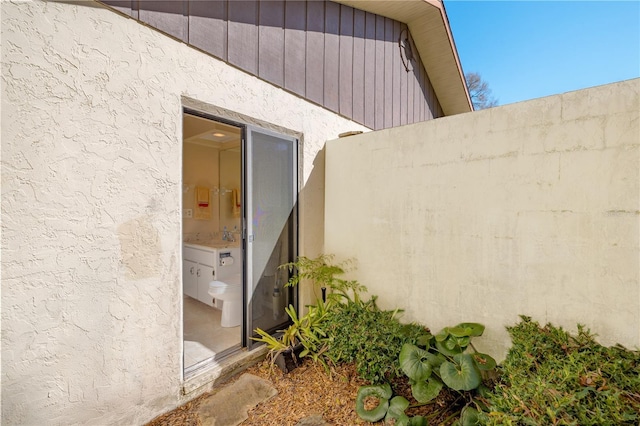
(309, 390)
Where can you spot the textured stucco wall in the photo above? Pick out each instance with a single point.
(531, 208)
(91, 206)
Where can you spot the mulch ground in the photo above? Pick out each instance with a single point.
(310, 390)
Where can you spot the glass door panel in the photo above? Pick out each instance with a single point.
(271, 188)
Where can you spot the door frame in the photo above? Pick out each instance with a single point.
(246, 174)
(246, 331)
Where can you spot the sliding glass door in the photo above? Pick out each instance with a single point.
(271, 196)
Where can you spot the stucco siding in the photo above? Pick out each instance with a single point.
(531, 208)
(91, 205)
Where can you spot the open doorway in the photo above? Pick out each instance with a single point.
(212, 249)
(240, 190)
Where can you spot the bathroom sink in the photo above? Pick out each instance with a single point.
(213, 244)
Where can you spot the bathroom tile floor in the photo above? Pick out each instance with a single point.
(203, 335)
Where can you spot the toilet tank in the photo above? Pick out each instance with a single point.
(229, 262)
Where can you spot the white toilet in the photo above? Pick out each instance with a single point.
(226, 288)
(229, 292)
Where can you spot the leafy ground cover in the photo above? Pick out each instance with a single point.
(348, 328)
(360, 364)
(550, 377)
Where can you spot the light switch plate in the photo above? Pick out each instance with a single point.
(187, 213)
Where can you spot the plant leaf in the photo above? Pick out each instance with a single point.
(462, 374)
(459, 331)
(417, 421)
(451, 344)
(469, 417)
(382, 392)
(414, 362)
(463, 342)
(440, 346)
(396, 409)
(475, 329)
(273, 343)
(435, 360)
(425, 340)
(426, 391)
(442, 335)
(484, 362)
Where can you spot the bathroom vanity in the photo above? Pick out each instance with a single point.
(200, 263)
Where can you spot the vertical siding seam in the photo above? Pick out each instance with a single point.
(226, 22)
(353, 49)
(375, 71)
(340, 6)
(258, 41)
(353, 54)
(306, 48)
(324, 52)
(306, 37)
(284, 44)
(186, 15)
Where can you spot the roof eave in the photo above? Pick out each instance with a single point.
(429, 26)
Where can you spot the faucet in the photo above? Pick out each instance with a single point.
(227, 235)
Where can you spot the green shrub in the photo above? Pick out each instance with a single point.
(372, 338)
(550, 377)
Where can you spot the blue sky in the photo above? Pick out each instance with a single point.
(529, 49)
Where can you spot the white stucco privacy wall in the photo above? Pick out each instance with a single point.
(531, 208)
(91, 191)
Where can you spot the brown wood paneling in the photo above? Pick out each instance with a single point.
(411, 88)
(424, 107)
(398, 69)
(413, 83)
(404, 96)
(271, 41)
(358, 65)
(438, 107)
(420, 96)
(314, 55)
(370, 70)
(332, 56)
(380, 73)
(415, 91)
(414, 88)
(388, 72)
(243, 34)
(345, 77)
(428, 97)
(208, 26)
(342, 58)
(128, 7)
(295, 46)
(168, 16)
(404, 80)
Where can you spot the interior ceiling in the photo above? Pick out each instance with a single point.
(209, 133)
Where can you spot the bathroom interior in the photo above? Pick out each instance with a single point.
(213, 253)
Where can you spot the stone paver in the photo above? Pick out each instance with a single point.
(229, 406)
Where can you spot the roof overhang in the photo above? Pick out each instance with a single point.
(429, 27)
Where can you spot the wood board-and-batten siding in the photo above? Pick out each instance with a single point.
(345, 59)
